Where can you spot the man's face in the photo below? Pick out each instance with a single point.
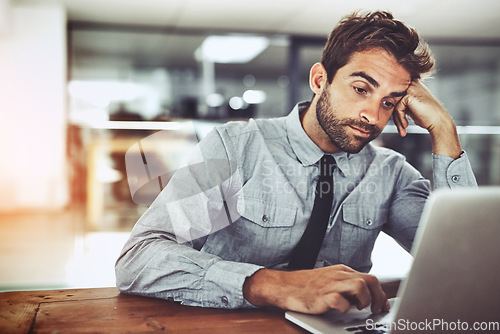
(356, 106)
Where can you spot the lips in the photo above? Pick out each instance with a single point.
(360, 132)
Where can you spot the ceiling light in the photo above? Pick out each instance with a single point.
(254, 96)
(215, 100)
(237, 103)
(231, 49)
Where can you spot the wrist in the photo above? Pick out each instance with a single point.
(253, 289)
(262, 288)
(445, 140)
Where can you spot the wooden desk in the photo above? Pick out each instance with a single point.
(105, 310)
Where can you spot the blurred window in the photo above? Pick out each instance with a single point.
(140, 75)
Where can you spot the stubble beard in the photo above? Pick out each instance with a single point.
(336, 128)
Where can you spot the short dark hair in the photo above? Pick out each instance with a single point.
(356, 33)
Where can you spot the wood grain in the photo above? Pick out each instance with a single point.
(105, 310)
(108, 311)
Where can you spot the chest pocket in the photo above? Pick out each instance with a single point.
(265, 229)
(364, 217)
(360, 228)
(266, 214)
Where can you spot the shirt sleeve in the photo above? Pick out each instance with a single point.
(450, 173)
(412, 191)
(164, 257)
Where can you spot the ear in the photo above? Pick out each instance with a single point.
(317, 78)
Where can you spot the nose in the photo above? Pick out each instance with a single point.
(370, 112)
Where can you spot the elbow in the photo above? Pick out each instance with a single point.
(123, 276)
(130, 275)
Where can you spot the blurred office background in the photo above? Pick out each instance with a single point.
(83, 81)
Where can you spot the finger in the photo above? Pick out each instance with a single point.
(387, 306)
(355, 290)
(397, 122)
(336, 301)
(399, 116)
(379, 298)
(358, 288)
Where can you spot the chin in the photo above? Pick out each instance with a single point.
(351, 147)
(353, 150)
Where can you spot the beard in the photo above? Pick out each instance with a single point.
(336, 128)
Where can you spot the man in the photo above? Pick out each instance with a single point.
(229, 230)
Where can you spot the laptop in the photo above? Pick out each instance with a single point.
(454, 283)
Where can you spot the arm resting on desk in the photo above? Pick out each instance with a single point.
(164, 256)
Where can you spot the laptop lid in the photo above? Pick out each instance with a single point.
(453, 281)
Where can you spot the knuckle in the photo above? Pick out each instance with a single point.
(359, 283)
(338, 302)
(340, 266)
(333, 298)
(363, 304)
(343, 267)
(370, 279)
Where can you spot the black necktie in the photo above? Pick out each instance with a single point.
(306, 252)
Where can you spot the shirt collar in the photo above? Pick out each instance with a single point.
(304, 148)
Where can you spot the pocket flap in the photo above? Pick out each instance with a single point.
(366, 217)
(266, 213)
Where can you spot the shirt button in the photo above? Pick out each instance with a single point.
(265, 218)
(224, 300)
(455, 178)
(369, 222)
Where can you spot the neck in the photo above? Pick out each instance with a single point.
(314, 130)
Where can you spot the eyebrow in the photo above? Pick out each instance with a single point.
(367, 77)
(374, 83)
(397, 94)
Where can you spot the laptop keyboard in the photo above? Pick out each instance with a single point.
(372, 329)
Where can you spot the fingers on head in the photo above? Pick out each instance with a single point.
(400, 121)
(400, 113)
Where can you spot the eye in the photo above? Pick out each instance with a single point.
(360, 91)
(388, 105)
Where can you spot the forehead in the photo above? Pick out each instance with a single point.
(378, 64)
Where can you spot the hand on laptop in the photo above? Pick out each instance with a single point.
(316, 290)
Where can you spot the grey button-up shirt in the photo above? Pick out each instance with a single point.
(244, 200)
